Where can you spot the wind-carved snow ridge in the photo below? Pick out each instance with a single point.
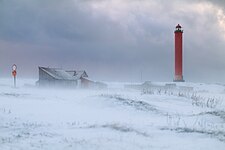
(217, 134)
(123, 128)
(220, 114)
(137, 104)
(16, 95)
(120, 128)
(10, 94)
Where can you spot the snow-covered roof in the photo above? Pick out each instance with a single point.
(58, 73)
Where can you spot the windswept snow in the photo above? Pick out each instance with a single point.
(115, 118)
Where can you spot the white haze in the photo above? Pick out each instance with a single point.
(113, 40)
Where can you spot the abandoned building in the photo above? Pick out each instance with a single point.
(56, 77)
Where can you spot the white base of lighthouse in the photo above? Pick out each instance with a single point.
(179, 78)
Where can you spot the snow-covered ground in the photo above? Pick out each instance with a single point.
(115, 118)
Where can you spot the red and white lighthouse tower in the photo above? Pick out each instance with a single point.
(178, 54)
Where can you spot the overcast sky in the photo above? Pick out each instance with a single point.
(114, 40)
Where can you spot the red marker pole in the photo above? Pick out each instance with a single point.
(14, 67)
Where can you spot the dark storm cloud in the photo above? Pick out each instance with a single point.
(112, 40)
(40, 20)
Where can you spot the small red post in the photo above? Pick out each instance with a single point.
(14, 67)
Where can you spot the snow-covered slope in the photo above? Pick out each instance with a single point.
(115, 118)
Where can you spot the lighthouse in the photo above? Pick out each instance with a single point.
(178, 54)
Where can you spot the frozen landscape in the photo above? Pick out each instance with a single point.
(73, 46)
(115, 118)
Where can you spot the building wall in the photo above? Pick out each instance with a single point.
(85, 83)
(45, 79)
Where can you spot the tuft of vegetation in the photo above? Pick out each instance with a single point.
(196, 98)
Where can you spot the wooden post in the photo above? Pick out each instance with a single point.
(14, 81)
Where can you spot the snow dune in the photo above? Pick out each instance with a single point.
(115, 118)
